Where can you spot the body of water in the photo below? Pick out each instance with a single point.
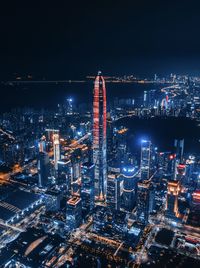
(162, 132)
(44, 95)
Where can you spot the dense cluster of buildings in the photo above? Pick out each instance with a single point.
(74, 176)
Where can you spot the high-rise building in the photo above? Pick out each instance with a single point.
(152, 98)
(52, 200)
(121, 146)
(196, 200)
(42, 144)
(76, 175)
(87, 187)
(56, 149)
(111, 152)
(73, 213)
(99, 137)
(173, 190)
(43, 169)
(145, 159)
(152, 196)
(69, 107)
(129, 181)
(179, 148)
(64, 176)
(145, 98)
(166, 160)
(113, 191)
(143, 202)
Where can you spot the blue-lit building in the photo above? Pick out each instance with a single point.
(43, 169)
(64, 176)
(145, 159)
(69, 106)
(121, 146)
(52, 200)
(87, 186)
(150, 98)
(143, 202)
(76, 175)
(179, 149)
(129, 178)
(113, 191)
(152, 196)
(166, 160)
(145, 99)
(73, 213)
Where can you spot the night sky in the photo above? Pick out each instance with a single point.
(77, 38)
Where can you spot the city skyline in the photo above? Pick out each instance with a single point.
(73, 183)
(100, 134)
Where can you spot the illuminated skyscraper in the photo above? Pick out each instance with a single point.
(173, 191)
(87, 187)
(73, 213)
(196, 200)
(129, 178)
(121, 146)
(99, 137)
(145, 159)
(64, 176)
(76, 175)
(43, 169)
(113, 191)
(42, 144)
(56, 149)
(179, 147)
(143, 202)
(152, 196)
(145, 98)
(69, 107)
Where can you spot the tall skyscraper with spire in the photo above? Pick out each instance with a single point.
(99, 137)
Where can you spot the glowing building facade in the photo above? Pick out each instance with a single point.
(73, 213)
(129, 178)
(143, 202)
(113, 191)
(99, 137)
(196, 200)
(87, 187)
(145, 159)
(43, 169)
(173, 191)
(56, 149)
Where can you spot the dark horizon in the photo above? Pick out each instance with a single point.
(75, 39)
